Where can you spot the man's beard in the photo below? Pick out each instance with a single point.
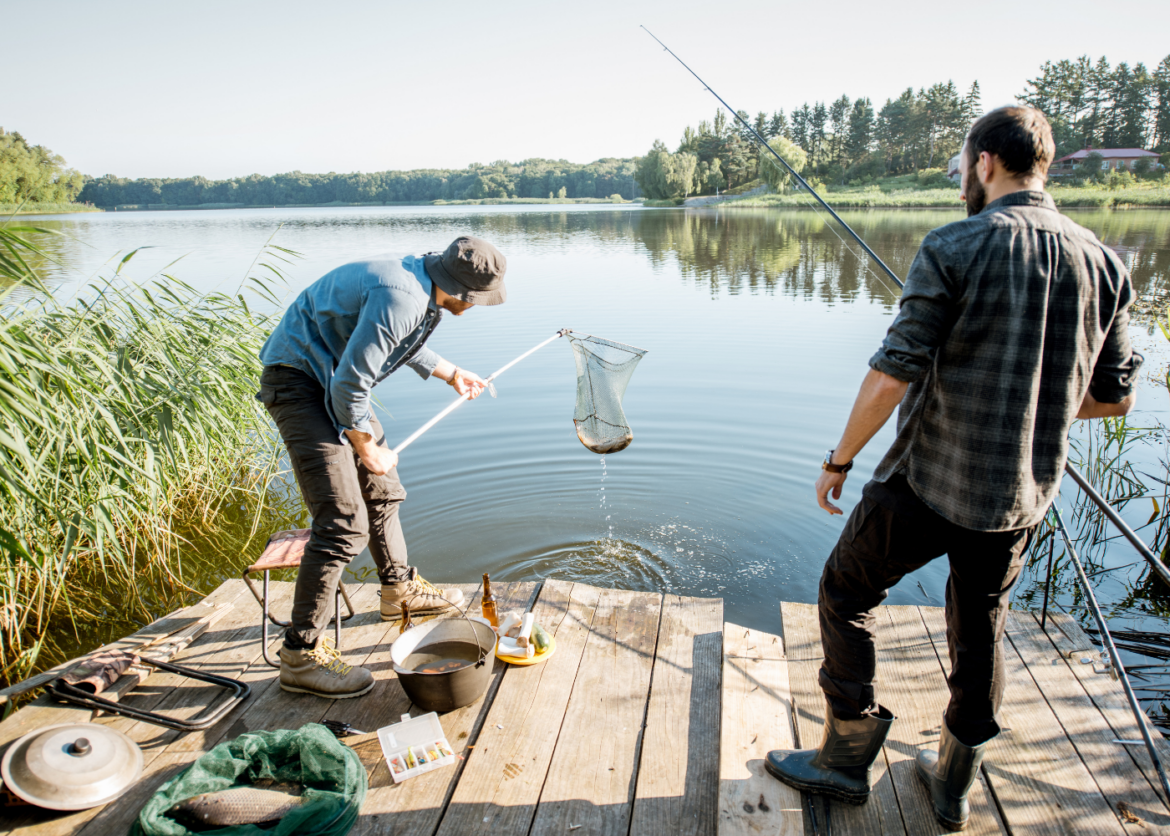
(976, 194)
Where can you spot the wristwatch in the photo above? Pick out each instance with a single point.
(835, 468)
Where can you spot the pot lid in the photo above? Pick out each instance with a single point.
(72, 766)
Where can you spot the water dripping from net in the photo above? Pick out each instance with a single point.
(608, 543)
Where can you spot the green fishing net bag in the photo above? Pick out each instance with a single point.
(331, 773)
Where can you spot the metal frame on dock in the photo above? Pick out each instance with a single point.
(1117, 668)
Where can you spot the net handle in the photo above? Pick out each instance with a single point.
(458, 402)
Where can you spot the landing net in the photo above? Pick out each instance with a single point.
(604, 369)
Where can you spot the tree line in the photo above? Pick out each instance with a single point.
(1090, 103)
(34, 173)
(530, 178)
(846, 142)
(842, 141)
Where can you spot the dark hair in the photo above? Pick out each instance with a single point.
(1020, 136)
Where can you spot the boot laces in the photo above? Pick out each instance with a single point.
(326, 656)
(421, 586)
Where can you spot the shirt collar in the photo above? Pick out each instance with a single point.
(1026, 197)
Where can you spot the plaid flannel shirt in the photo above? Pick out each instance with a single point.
(1006, 320)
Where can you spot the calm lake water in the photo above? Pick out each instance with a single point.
(758, 326)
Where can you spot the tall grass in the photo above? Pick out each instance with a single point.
(127, 422)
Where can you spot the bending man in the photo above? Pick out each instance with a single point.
(1013, 323)
(343, 335)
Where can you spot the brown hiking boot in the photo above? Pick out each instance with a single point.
(319, 671)
(421, 596)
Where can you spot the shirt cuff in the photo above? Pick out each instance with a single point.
(1118, 385)
(425, 362)
(887, 363)
(361, 425)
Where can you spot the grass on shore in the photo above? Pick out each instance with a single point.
(900, 192)
(8, 209)
(127, 425)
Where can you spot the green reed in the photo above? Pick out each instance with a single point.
(127, 425)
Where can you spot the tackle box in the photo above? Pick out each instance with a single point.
(412, 740)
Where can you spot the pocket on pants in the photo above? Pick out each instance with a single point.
(266, 395)
(385, 488)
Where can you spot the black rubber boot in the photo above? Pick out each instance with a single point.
(949, 774)
(841, 767)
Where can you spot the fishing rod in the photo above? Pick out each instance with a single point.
(1114, 656)
(764, 143)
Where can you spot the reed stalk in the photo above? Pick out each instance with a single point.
(127, 425)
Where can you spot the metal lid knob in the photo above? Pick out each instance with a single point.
(80, 747)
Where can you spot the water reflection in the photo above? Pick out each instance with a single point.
(797, 253)
(758, 322)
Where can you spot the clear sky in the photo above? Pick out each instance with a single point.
(150, 89)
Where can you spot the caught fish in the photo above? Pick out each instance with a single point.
(240, 805)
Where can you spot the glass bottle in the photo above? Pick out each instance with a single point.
(488, 605)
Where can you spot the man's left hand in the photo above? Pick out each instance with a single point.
(827, 482)
(467, 383)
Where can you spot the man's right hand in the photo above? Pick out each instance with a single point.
(830, 482)
(378, 460)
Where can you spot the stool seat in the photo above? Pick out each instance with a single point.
(284, 551)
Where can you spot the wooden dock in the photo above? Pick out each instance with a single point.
(653, 717)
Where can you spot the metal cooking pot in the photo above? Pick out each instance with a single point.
(445, 691)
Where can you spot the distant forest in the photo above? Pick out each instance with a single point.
(846, 142)
(843, 142)
(34, 173)
(530, 178)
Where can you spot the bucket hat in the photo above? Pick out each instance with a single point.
(470, 269)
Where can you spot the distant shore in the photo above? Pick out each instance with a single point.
(1157, 196)
(57, 208)
(7, 209)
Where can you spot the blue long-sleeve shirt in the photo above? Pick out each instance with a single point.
(354, 326)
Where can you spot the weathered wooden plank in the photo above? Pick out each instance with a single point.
(502, 781)
(415, 807)
(174, 634)
(1108, 695)
(244, 662)
(678, 775)
(915, 690)
(590, 780)
(1032, 768)
(173, 695)
(43, 712)
(880, 815)
(757, 716)
(1100, 714)
(275, 708)
(183, 620)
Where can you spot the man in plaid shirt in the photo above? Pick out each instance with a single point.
(1013, 324)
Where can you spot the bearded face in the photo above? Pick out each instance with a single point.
(973, 192)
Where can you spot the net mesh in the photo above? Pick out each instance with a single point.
(330, 772)
(604, 369)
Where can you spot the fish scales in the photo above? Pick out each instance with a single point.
(241, 805)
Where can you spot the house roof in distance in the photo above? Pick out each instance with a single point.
(1107, 153)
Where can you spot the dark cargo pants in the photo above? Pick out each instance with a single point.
(890, 533)
(351, 506)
